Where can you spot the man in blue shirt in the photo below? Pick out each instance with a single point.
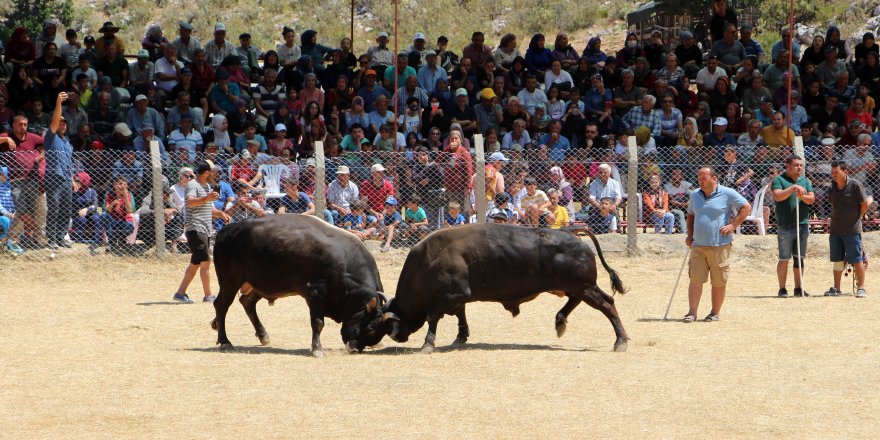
(295, 201)
(711, 223)
(556, 143)
(59, 171)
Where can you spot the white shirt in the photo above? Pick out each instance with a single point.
(683, 187)
(551, 78)
(288, 54)
(707, 79)
(530, 100)
(163, 66)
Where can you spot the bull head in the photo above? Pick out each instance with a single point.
(393, 320)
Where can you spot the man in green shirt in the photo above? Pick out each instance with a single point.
(791, 188)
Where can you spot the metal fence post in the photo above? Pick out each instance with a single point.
(480, 179)
(320, 181)
(632, 203)
(158, 199)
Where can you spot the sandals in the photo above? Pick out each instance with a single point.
(711, 317)
(689, 318)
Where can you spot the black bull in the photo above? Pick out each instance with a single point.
(497, 263)
(290, 254)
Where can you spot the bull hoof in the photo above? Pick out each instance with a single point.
(226, 347)
(459, 342)
(427, 349)
(264, 340)
(318, 353)
(620, 346)
(214, 325)
(352, 347)
(560, 329)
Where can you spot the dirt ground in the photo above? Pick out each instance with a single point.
(93, 348)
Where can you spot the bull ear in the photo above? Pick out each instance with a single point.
(371, 306)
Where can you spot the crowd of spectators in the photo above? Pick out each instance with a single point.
(399, 127)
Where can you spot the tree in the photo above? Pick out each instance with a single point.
(30, 14)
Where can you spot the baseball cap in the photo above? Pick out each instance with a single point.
(253, 142)
(89, 39)
(96, 144)
(143, 54)
(140, 98)
(122, 129)
(185, 71)
(369, 72)
(461, 92)
(765, 100)
(146, 127)
(185, 25)
(383, 34)
(244, 36)
(496, 156)
(419, 36)
(342, 170)
(685, 35)
(280, 127)
(720, 121)
(310, 162)
(246, 154)
(391, 201)
(221, 74)
(855, 122)
(220, 27)
(377, 167)
(430, 52)
(487, 93)
(497, 213)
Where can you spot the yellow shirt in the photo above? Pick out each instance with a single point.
(561, 215)
(776, 139)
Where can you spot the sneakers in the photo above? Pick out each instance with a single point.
(711, 317)
(52, 246)
(209, 299)
(14, 249)
(783, 293)
(800, 292)
(861, 293)
(182, 298)
(833, 292)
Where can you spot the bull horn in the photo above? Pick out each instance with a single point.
(384, 297)
(390, 315)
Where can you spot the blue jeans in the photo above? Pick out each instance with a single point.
(846, 248)
(786, 238)
(59, 202)
(682, 220)
(328, 217)
(667, 220)
(5, 223)
(116, 230)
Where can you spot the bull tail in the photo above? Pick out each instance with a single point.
(616, 283)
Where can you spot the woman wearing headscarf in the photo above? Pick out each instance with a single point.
(85, 205)
(20, 50)
(219, 134)
(832, 38)
(566, 190)
(443, 94)
(154, 42)
(515, 78)
(49, 34)
(627, 56)
(593, 51)
(309, 46)
(538, 57)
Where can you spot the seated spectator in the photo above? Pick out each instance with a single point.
(117, 222)
(656, 206)
(538, 57)
(679, 191)
(531, 95)
(708, 76)
(415, 225)
(557, 215)
(593, 51)
(535, 203)
(556, 144)
(861, 161)
(602, 220)
(341, 193)
(644, 115)
(141, 114)
(391, 220)
(129, 169)
(632, 50)
(244, 207)
(355, 221)
(172, 215)
(250, 135)
(453, 216)
(604, 186)
(628, 95)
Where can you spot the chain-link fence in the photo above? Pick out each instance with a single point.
(108, 205)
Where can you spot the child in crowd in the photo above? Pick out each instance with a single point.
(7, 212)
(535, 203)
(280, 141)
(356, 221)
(391, 219)
(496, 215)
(603, 221)
(557, 218)
(453, 216)
(502, 202)
(416, 219)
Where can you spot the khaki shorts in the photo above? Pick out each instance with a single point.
(706, 260)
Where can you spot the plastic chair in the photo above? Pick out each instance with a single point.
(757, 214)
(272, 179)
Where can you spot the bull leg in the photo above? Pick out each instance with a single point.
(249, 302)
(433, 319)
(221, 306)
(562, 315)
(316, 318)
(463, 329)
(604, 303)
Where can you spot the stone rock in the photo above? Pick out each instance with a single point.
(876, 11)
(805, 33)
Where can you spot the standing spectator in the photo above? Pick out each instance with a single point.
(380, 55)
(108, 40)
(689, 55)
(459, 168)
(789, 188)
(711, 224)
(23, 176)
(200, 210)
(722, 16)
(477, 52)
(849, 202)
(59, 171)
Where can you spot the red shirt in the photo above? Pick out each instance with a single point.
(25, 156)
(245, 173)
(459, 167)
(376, 196)
(574, 172)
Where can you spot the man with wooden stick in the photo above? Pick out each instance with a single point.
(788, 189)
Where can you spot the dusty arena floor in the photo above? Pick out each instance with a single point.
(93, 348)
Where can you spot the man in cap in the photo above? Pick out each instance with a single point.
(141, 113)
(199, 212)
(689, 55)
(140, 72)
(142, 142)
(218, 48)
(719, 137)
(109, 39)
(186, 44)
(380, 55)
(430, 72)
(419, 45)
(488, 112)
(463, 114)
(376, 190)
(370, 90)
(340, 193)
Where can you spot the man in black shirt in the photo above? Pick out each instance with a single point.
(829, 113)
(690, 58)
(721, 15)
(849, 202)
(114, 66)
